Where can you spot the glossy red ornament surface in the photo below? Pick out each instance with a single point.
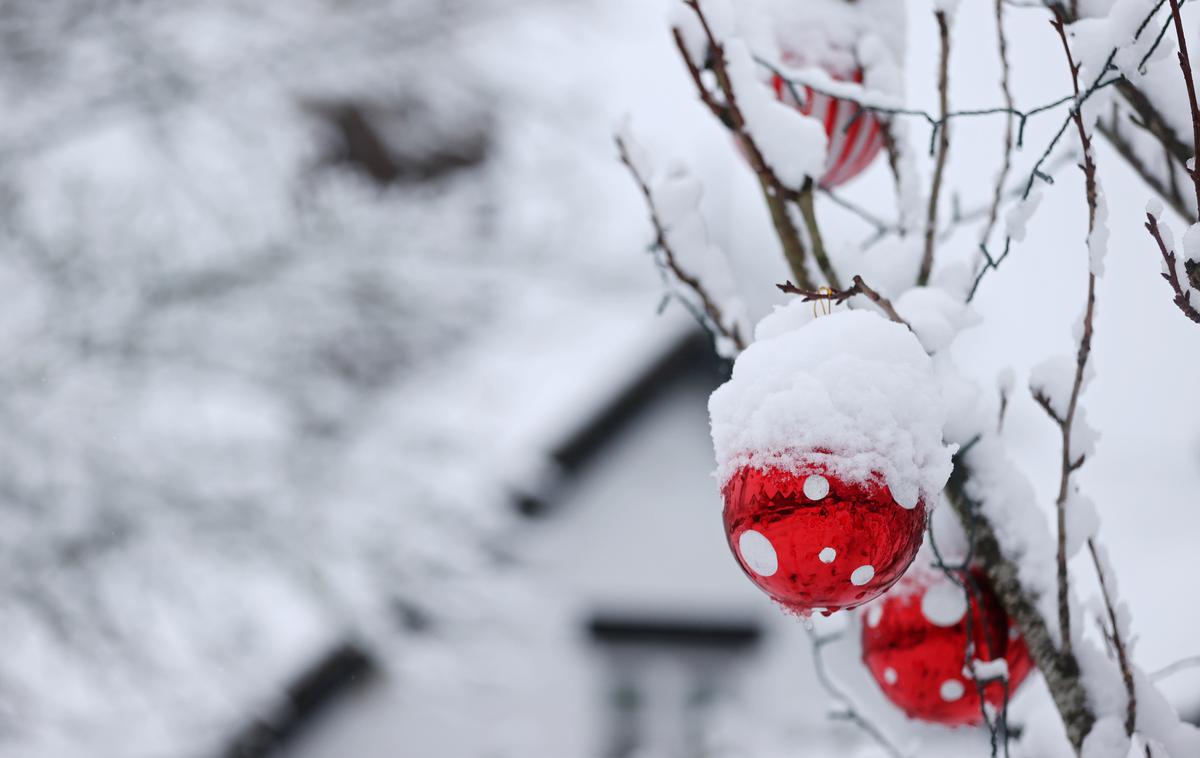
(919, 664)
(855, 136)
(836, 546)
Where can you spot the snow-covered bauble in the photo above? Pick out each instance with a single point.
(814, 541)
(914, 642)
(828, 439)
(855, 135)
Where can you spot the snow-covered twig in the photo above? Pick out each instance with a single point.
(716, 107)
(943, 146)
(1186, 66)
(1006, 166)
(1066, 421)
(714, 316)
(858, 287)
(1134, 96)
(1118, 641)
(1182, 294)
(1148, 116)
(848, 712)
(775, 191)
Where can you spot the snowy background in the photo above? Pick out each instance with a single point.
(268, 388)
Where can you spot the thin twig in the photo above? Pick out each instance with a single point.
(1006, 166)
(712, 311)
(848, 712)
(882, 228)
(943, 146)
(774, 190)
(718, 109)
(843, 93)
(992, 263)
(1117, 642)
(1174, 668)
(858, 287)
(1182, 296)
(1149, 117)
(961, 576)
(1067, 420)
(1184, 64)
(1170, 192)
(804, 201)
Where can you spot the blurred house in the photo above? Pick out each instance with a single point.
(634, 538)
(652, 624)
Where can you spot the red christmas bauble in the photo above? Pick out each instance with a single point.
(855, 135)
(914, 643)
(815, 542)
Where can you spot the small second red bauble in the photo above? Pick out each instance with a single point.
(815, 542)
(914, 643)
(855, 136)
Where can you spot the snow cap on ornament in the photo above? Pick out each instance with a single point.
(828, 439)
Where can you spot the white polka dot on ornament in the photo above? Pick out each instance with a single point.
(758, 553)
(862, 575)
(944, 603)
(816, 487)
(952, 690)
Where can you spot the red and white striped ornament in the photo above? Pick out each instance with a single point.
(855, 135)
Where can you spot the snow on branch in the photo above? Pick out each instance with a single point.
(1171, 268)
(1047, 390)
(1103, 79)
(1117, 633)
(726, 328)
(1184, 279)
(1186, 66)
(1009, 135)
(769, 143)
